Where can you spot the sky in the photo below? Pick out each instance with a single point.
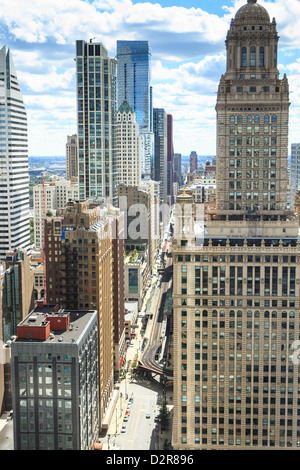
(187, 40)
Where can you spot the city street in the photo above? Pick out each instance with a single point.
(142, 433)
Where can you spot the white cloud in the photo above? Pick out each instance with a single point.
(188, 59)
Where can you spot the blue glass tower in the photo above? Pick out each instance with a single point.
(134, 79)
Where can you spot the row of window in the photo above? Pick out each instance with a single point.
(235, 259)
(250, 118)
(252, 56)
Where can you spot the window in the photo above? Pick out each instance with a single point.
(252, 56)
(244, 57)
(261, 56)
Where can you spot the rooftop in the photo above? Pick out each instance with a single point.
(48, 323)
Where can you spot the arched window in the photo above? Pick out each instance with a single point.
(261, 56)
(232, 118)
(267, 118)
(197, 313)
(249, 118)
(252, 56)
(257, 118)
(244, 57)
(240, 118)
(274, 118)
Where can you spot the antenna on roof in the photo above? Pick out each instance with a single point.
(91, 40)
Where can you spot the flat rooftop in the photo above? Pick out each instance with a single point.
(43, 325)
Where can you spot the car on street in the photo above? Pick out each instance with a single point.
(124, 428)
(148, 415)
(125, 419)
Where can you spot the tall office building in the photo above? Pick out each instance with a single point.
(14, 178)
(252, 118)
(55, 380)
(2, 383)
(49, 197)
(17, 291)
(177, 168)
(236, 295)
(134, 79)
(294, 173)
(128, 146)
(170, 156)
(96, 117)
(72, 157)
(193, 161)
(160, 166)
(79, 268)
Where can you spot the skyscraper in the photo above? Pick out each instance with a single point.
(236, 296)
(55, 380)
(134, 79)
(170, 156)
(50, 196)
(193, 161)
(294, 173)
(160, 166)
(96, 115)
(80, 270)
(72, 156)
(177, 168)
(128, 146)
(14, 178)
(252, 118)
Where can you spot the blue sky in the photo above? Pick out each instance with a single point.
(188, 57)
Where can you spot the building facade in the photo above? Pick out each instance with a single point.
(79, 275)
(49, 197)
(170, 157)
(72, 157)
(2, 386)
(17, 291)
(96, 75)
(134, 86)
(160, 166)
(193, 161)
(252, 118)
(128, 147)
(236, 296)
(55, 380)
(177, 168)
(14, 177)
(294, 173)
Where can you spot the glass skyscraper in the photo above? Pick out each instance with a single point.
(134, 78)
(96, 113)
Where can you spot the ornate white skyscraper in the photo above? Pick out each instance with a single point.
(14, 179)
(128, 145)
